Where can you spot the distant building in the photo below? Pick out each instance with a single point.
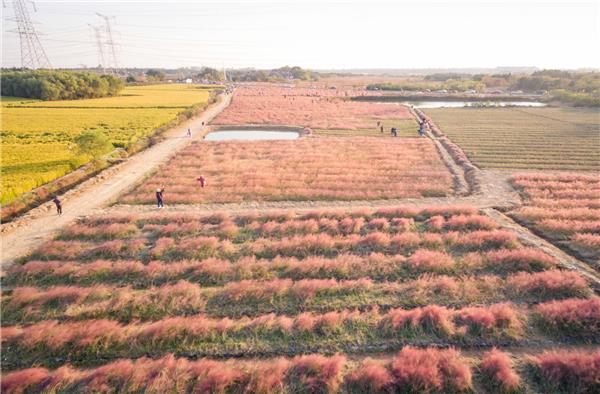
(189, 80)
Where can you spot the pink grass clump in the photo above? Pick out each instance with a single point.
(370, 377)
(426, 370)
(431, 318)
(572, 316)
(549, 284)
(430, 260)
(590, 243)
(21, 381)
(572, 371)
(526, 259)
(317, 374)
(481, 239)
(491, 320)
(497, 366)
(435, 223)
(470, 222)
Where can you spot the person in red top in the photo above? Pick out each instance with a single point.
(201, 180)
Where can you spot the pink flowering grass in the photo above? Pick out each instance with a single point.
(169, 374)
(570, 317)
(565, 208)
(314, 108)
(549, 284)
(428, 370)
(305, 169)
(568, 371)
(497, 368)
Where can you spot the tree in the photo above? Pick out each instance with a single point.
(58, 85)
(93, 143)
(130, 79)
(210, 74)
(158, 75)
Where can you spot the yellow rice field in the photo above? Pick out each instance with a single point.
(37, 136)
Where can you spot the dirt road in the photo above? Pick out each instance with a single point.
(40, 224)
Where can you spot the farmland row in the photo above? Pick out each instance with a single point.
(567, 321)
(564, 208)
(213, 271)
(410, 370)
(250, 297)
(539, 138)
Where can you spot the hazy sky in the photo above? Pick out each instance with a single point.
(319, 34)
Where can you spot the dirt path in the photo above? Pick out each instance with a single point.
(31, 230)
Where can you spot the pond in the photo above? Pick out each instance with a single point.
(477, 104)
(250, 135)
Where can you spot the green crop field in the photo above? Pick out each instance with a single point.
(37, 136)
(525, 138)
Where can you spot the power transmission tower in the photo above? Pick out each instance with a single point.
(32, 52)
(98, 35)
(110, 43)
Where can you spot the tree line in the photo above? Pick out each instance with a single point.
(58, 85)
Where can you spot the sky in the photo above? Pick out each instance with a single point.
(317, 34)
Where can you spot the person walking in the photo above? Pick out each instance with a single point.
(159, 197)
(381, 128)
(422, 126)
(394, 132)
(201, 180)
(58, 204)
(189, 133)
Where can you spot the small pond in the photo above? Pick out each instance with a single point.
(250, 135)
(460, 104)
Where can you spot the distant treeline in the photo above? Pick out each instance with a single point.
(58, 85)
(575, 88)
(451, 84)
(276, 75)
(569, 87)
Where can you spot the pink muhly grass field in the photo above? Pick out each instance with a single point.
(565, 208)
(314, 108)
(306, 169)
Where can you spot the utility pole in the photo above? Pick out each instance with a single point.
(98, 35)
(110, 41)
(32, 53)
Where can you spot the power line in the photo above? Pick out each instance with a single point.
(32, 52)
